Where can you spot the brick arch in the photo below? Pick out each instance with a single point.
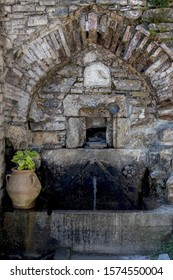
(128, 41)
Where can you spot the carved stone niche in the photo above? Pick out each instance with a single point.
(91, 120)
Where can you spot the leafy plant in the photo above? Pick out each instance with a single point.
(159, 3)
(25, 159)
(153, 33)
(166, 246)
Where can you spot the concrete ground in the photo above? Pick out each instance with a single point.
(67, 254)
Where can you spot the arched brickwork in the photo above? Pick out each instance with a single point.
(53, 47)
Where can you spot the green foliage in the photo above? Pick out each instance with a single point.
(160, 3)
(165, 247)
(153, 33)
(25, 159)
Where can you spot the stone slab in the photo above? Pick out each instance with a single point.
(97, 75)
(38, 20)
(163, 257)
(93, 105)
(76, 132)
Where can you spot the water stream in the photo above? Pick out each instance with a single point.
(95, 193)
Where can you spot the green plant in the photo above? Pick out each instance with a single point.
(153, 33)
(166, 246)
(159, 3)
(25, 159)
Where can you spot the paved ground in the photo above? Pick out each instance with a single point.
(67, 254)
(77, 256)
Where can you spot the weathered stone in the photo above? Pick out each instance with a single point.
(163, 257)
(166, 159)
(89, 57)
(162, 27)
(60, 86)
(38, 20)
(156, 65)
(64, 42)
(37, 114)
(71, 72)
(133, 14)
(142, 139)
(166, 135)
(57, 124)
(132, 45)
(17, 135)
(120, 132)
(95, 122)
(76, 132)
(92, 26)
(48, 138)
(154, 160)
(96, 145)
(127, 84)
(96, 105)
(23, 8)
(159, 15)
(104, 2)
(137, 2)
(47, 2)
(158, 174)
(62, 11)
(169, 186)
(97, 75)
(165, 114)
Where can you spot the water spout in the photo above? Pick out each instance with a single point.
(94, 192)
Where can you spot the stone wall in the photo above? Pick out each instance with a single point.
(2, 146)
(43, 38)
(24, 18)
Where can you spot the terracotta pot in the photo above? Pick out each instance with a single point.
(23, 187)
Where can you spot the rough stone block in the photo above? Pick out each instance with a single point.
(137, 2)
(76, 132)
(169, 186)
(166, 159)
(62, 85)
(166, 135)
(142, 139)
(47, 2)
(154, 160)
(62, 11)
(1, 120)
(120, 132)
(93, 105)
(135, 14)
(158, 14)
(57, 124)
(38, 20)
(127, 84)
(48, 138)
(89, 57)
(17, 135)
(97, 75)
(92, 26)
(1, 136)
(95, 122)
(23, 8)
(104, 2)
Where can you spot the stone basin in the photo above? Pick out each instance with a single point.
(108, 232)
